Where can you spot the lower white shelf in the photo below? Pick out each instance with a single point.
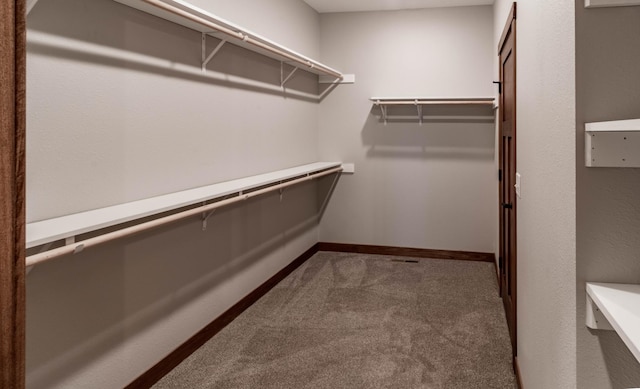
(42, 232)
(613, 143)
(616, 307)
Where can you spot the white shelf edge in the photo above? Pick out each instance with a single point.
(201, 13)
(51, 230)
(620, 305)
(422, 98)
(613, 126)
(346, 79)
(610, 3)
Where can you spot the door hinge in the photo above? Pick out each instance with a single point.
(499, 174)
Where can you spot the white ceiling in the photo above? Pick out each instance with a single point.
(323, 6)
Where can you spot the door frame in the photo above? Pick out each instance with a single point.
(12, 192)
(508, 31)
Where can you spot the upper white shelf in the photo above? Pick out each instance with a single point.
(620, 306)
(610, 3)
(385, 102)
(190, 16)
(433, 100)
(46, 231)
(612, 143)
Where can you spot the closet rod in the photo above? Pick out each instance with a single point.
(244, 37)
(436, 102)
(79, 246)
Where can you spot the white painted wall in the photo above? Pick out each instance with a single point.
(429, 186)
(608, 200)
(118, 110)
(547, 210)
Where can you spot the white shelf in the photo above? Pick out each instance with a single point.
(190, 16)
(610, 3)
(46, 231)
(420, 102)
(433, 100)
(614, 126)
(619, 306)
(612, 143)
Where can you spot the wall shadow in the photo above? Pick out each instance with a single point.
(447, 132)
(621, 365)
(115, 35)
(83, 307)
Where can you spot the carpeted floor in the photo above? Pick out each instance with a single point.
(363, 321)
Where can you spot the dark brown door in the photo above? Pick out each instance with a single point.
(507, 161)
(12, 242)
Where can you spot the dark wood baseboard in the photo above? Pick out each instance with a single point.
(516, 370)
(172, 360)
(407, 252)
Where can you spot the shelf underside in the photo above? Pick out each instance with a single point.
(620, 306)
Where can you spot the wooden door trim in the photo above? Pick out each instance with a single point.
(12, 192)
(509, 31)
(505, 31)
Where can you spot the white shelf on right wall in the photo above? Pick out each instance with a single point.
(610, 3)
(616, 307)
(613, 143)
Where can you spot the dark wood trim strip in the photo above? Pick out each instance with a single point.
(407, 252)
(516, 370)
(495, 263)
(12, 193)
(172, 360)
(507, 28)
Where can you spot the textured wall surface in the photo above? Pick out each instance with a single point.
(608, 201)
(429, 185)
(547, 211)
(119, 110)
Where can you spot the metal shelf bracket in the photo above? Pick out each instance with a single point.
(206, 59)
(283, 79)
(383, 110)
(419, 108)
(206, 216)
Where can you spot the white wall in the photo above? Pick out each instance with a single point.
(608, 200)
(118, 110)
(429, 186)
(546, 212)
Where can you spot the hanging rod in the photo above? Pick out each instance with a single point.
(76, 247)
(433, 100)
(241, 35)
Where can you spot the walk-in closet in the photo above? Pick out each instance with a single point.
(320, 194)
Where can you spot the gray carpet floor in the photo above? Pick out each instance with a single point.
(363, 321)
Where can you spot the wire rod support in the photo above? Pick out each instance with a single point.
(206, 60)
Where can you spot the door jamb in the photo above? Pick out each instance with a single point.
(12, 192)
(509, 29)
